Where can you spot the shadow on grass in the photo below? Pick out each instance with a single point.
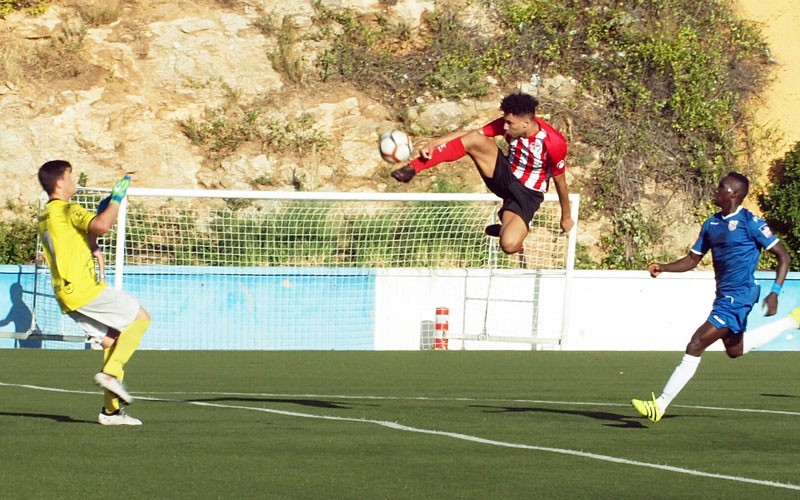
(622, 421)
(58, 418)
(780, 396)
(314, 403)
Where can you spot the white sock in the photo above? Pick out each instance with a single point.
(763, 334)
(680, 377)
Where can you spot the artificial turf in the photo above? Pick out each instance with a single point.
(430, 424)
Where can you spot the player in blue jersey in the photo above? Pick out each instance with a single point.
(735, 238)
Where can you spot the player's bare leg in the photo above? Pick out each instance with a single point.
(513, 232)
(703, 337)
(109, 339)
(734, 345)
(482, 150)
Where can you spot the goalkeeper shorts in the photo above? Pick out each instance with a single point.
(111, 309)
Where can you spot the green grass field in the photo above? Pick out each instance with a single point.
(411, 425)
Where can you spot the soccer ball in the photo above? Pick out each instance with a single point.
(395, 146)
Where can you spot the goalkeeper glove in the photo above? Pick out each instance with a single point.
(119, 189)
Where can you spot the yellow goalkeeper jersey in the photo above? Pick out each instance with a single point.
(64, 230)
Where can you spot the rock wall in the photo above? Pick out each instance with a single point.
(161, 63)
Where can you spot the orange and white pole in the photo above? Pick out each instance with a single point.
(442, 325)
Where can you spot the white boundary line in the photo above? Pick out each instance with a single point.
(454, 435)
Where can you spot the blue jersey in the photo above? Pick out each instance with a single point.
(735, 241)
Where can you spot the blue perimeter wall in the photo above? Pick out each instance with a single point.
(262, 308)
(237, 309)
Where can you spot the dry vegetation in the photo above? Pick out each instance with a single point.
(661, 86)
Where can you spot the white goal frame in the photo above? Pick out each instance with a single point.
(483, 285)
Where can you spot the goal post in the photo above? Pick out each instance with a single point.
(243, 270)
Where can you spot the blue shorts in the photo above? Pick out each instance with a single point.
(731, 312)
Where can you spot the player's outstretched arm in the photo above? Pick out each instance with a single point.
(771, 300)
(688, 262)
(105, 221)
(562, 190)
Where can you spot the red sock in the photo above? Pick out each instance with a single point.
(449, 151)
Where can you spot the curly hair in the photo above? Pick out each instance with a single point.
(519, 104)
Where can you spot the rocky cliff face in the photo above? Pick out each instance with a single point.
(110, 85)
(121, 103)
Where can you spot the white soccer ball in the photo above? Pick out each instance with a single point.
(395, 146)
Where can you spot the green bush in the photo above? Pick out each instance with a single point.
(18, 238)
(629, 244)
(223, 130)
(30, 7)
(661, 84)
(781, 205)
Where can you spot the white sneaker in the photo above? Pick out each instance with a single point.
(112, 384)
(118, 418)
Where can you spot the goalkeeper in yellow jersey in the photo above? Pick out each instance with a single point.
(65, 230)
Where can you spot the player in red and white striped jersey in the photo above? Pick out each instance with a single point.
(536, 154)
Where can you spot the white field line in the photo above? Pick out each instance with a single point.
(454, 435)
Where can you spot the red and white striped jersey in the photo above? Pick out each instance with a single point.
(535, 159)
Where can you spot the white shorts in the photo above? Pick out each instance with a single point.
(111, 309)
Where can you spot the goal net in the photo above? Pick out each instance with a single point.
(291, 270)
